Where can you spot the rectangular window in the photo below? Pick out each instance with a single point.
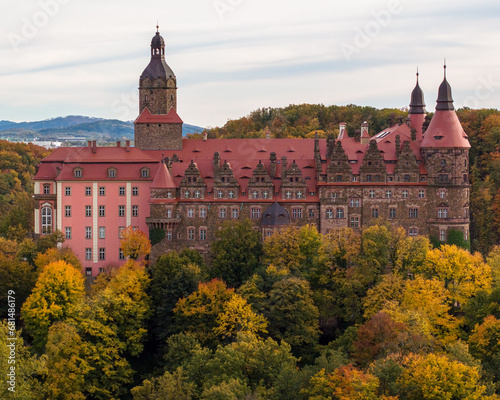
(329, 213)
(190, 212)
(102, 253)
(296, 212)
(169, 235)
(388, 194)
(340, 213)
(102, 232)
(421, 194)
(68, 232)
(354, 222)
(392, 213)
(235, 213)
(231, 194)
(222, 213)
(442, 235)
(374, 212)
(121, 191)
(102, 191)
(413, 212)
(311, 213)
(88, 254)
(46, 189)
(368, 178)
(190, 234)
(121, 211)
(443, 213)
(413, 232)
(102, 211)
(88, 191)
(442, 193)
(255, 212)
(135, 211)
(88, 232)
(135, 191)
(203, 234)
(120, 232)
(67, 191)
(372, 194)
(405, 194)
(354, 203)
(67, 211)
(203, 212)
(121, 256)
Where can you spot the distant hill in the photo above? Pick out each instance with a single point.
(74, 126)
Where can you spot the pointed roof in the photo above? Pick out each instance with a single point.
(147, 118)
(163, 179)
(276, 215)
(444, 101)
(417, 105)
(157, 67)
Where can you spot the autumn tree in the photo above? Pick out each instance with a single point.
(15, 275)
(236, 252)
(134, 243)
(57, 291)
(171, 386)
(485, 345)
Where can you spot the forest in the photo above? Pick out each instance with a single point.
(349, 315)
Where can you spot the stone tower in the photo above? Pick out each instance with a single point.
(445, 152)
(158, 126)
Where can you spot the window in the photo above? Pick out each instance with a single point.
(442, 235)
(88, 191)
(354, 203)
(190, 234)
(203, 234)
(88, 211)
(405, 194)
(388, 194)
(406, 178)
(338, 178)
(145, 173)
(443, 178)
(466, 213)
(169, 194)
(333, 196)
(203, 212)
(421, 193)
(392, 213)
(102, 191)
(288, 194)
(169, 235)
(235, 213)
(67, 211)
(190, 212)
(197, 194)
(442, 193)
(111, 172)
(220, 194)
(88, 232)
(466, 235)
(443, 162)
(135, 191)
(299, 195)
(121, 191)
(368, 178)
(88, 254)
(231, 194)
(102, 211)
(120, 232)
(77, 172)
(329, 213)
(67, 191)
(265, 194)
(102, 253)
(311, 213)
(135, 211)
(186, 194)
(68, 232)
(413, 232)
(340, 213)
(46, 189)
(255, 212)
(121, 256)
(443, 213)
(374, 212)
(296, 212)
(354, 222)
(413, 212)
(255, 194)
(222, 213)
(372, 194)
(121, 211)
(102, 232)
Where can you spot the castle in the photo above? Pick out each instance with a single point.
(414, 174)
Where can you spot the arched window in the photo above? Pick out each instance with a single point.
(46, 220)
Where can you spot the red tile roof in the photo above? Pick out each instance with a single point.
(147, 118)
(446, 131)
(163, 179)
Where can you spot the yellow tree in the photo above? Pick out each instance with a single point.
(58, 290)
(134, 243)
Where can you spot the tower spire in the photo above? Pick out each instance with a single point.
(417, 105)
(445, 100)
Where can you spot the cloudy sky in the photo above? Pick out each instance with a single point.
(84, 57)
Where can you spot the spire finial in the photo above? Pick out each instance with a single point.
(157, 27)
(417, 73)
(444, 67)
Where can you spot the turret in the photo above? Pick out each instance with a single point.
(417, 110)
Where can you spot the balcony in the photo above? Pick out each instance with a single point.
(162, 223)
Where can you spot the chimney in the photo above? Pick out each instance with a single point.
(398, 145)
(127, 145)
(205, 136)
(118, 143)
(89, 143)
(216, 163)
(94, 146)
(342, 130)
(365, 137)
(272, 167)
(284, 164)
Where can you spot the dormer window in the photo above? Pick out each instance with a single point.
(112, 172)
(144, 172)
(220, 194)
(77, 172)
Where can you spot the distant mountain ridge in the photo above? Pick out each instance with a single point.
(76, 126)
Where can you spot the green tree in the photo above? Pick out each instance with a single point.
(18, 276)
(171, 386)
(485, 345)
(236, 252)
